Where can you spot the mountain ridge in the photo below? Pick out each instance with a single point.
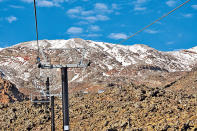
(111, 63)
(34, 41)
(136, 44)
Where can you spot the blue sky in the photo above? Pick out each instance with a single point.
(100, 20)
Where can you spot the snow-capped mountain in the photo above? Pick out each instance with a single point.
(110, 62)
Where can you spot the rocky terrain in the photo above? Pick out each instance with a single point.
(119, 107)
(188, 83)
(9, 92)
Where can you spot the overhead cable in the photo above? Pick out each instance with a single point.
(36, 26)
(155, 21)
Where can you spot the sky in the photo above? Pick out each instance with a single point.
(101, 20)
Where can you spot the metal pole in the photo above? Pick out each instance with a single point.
(65, 108)
(52, 114)
(47, 87)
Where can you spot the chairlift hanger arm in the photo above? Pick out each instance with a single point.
(40, 50)
(42, 53)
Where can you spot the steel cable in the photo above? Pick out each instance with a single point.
(36, 27)
(155, 21)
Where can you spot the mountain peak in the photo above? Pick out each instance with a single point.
(141, 45)
(194, 49)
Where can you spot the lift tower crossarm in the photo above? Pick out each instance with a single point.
(50, 66)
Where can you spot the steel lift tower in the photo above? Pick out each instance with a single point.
(64, 76)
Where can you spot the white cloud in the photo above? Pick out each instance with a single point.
(46, 3)
(170, 43)
(90, 18)
(16, 6)
(139, 5)
(194, 7)
(28, 1)
(117, 13)
(138, 8)
(151, 31)
(96, 18)
(83, 23)
(94, 28)
(11, 19)
(117, 36)
(188, 15)
(89, 12)
(78, 12)
(74, 30)
(58, 1)
(114, 6)
(75, 10)
(102, 17)
(101, 6)
(93, 35)
(140, 1)
(171, 3)
(99, 12)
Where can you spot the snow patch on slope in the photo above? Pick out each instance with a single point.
(194, 49)
(184, 59)
(138, 48)
(75, 77)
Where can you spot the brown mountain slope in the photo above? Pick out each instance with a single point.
(187, 83)
(8, 92)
